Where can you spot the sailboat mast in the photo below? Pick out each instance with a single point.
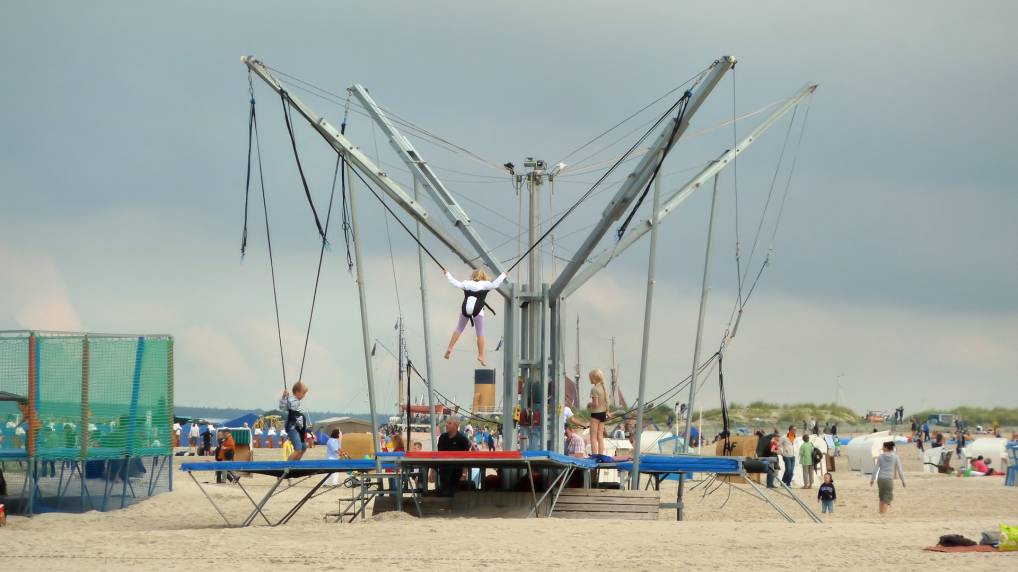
(615, 380)
(578, 370)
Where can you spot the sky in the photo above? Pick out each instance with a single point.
(123, 149)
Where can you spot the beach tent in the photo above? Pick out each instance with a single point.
(862, 450)
(931, 458)
(248, 418)
(344, 424)
(993, 448)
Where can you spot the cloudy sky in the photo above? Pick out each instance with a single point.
(124, 139)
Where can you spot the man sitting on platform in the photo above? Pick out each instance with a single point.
(575, 445)
(452, 440)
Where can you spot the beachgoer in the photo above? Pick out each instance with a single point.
(287, 447)
(472, 309)
(452, 440)
(193, 434)
(176, 434)
(926, 430)
(225, 452)
(885, 468)
(765, 450)
(826, 494)
(206, 443)
(786, 448)
(979, 465)
(598, 407)
(806, 460)
(259, 435)
(575, 446)
(332, 450)
(959, 447)
(270, 436)
(296, 419)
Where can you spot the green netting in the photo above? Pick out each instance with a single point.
(13, 380)
(95, 396)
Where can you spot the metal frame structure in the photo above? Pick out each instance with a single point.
(533, 311)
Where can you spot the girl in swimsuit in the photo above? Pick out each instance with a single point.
(472, 309)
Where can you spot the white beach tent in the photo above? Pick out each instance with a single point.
(862, 450)
(993, 448)
(931, 458)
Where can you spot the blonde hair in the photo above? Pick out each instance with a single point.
(596, 376)
(479, 275)
(300, 386)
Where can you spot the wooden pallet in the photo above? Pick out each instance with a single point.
(608, 504)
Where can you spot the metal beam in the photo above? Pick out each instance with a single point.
(358, 160)
(422, 172)
(714, 167)
(638, 179)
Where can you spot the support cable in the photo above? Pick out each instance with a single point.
(293, 142)
(600, 180)
(268, 240)
(735, 186)
(657, 169)
(318, 273)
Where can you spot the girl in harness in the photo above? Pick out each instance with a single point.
(472, 309)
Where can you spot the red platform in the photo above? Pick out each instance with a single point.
(480, 455)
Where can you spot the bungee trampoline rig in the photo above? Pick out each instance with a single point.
(532, 310)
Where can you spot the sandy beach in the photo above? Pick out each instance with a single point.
(723, 530)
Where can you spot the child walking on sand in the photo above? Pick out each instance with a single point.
(472, 309)
(826, 494)
(886, 467)
(296, 419)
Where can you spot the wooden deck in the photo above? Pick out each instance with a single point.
(610, 504)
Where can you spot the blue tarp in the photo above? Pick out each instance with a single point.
(684, 463)
(560, 458)
(276, 468)
(248, 418)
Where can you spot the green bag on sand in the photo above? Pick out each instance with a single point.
(1008, 538)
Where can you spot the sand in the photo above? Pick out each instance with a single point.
(722, 530)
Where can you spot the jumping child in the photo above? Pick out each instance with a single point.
(296, 419)
(472, 309)
(826, 494)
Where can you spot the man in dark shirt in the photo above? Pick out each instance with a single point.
(452, 440)
(764, 450)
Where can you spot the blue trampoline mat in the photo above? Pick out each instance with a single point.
(560, 458)
(13, 454)
(684, 463)
(292, 468)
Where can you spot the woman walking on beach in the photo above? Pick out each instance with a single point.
(887, 466)
(598, 411)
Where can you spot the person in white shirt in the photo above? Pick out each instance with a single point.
(472, 309)
(332, 450)
(176, 434)
(567, 414)
(271, 436)
(194, 434)
(258, 434)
